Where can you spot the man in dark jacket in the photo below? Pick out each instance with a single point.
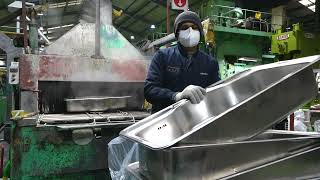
(183, 71)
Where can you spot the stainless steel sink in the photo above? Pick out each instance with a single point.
(215, 161)
(235, 109)
(304, 165)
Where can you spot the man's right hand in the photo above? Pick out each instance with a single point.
(194, 93)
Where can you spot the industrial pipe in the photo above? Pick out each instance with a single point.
(18, 25)
(165, 40)
(97, 30)
(44, 37)
(24, 25)
(34, 38)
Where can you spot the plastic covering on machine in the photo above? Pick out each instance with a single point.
(299, 121)
(121, 153)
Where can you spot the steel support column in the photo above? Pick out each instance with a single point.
(24, 25)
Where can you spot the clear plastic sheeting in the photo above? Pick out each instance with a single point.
(121, 153)
(317, 125)
(300, 121)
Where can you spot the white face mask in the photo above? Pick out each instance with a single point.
(189, 37)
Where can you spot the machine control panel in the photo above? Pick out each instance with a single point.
(14, 73)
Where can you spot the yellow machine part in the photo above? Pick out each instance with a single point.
(209, 33)
(117, 13)
(295, 43)
(3, 72)
(147, 105)
(20, 114)
(258, 15)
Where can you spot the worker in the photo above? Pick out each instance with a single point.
(182, 71)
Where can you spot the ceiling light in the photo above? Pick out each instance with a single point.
(312, 8)
(2, 63)
(306, 2)
(250, 59)
(152, 26)
(58, 27)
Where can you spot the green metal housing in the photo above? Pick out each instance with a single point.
(47, 153)
(234, 42)
(295, 43)
(231, 42)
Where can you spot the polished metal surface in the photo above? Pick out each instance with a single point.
(85, 120)
(80, 41)
(133, 171)
(89, 104)
(214, 161)
(235, 109)
(118, 116)
(304, 165)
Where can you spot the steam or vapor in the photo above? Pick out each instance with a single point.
(88, 14)
(100, 80)
(80, 41)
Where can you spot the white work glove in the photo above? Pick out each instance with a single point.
(194, 93)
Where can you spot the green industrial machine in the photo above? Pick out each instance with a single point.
(238, 38)
(73, 104)
(295, 43)
(45, 153)
(241, 36)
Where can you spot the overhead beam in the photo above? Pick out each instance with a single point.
(150, 22)
(301, 7)
(162, 3)
(134, 13)
(128, 35)
(131, 15)
(129, 31)
(126, 9)
(157, 24)
(306, 18)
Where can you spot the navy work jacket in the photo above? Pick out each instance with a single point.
(171, 71)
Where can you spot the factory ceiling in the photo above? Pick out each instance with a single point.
(138, 15)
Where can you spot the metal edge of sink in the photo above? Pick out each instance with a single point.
(303, 165)
(131, 132)
(271, 171)
(214, 161)
(227, 129)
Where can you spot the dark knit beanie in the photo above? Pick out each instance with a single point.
(187, 16)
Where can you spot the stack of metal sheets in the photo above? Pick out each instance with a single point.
(96, 104)
(225, 137)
